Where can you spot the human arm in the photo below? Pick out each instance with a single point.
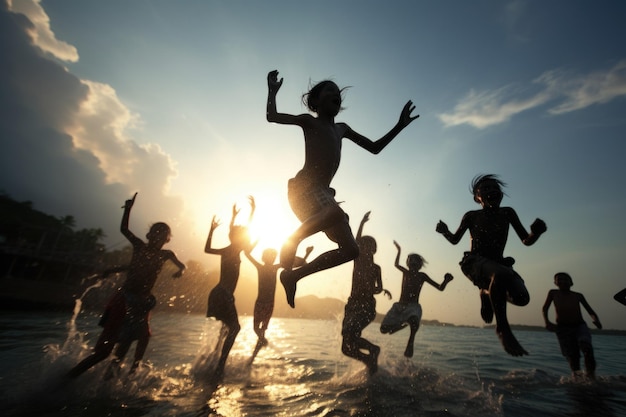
(455, 237)
(181, 266)
(128, 205)
(620, 297)
(271, 114)
(537, 228)
(248, 253)
(365, 218)
(376, 147)
(207, 246)
(397, 261)
(252, 208)
(300, 261)
(544, 310)
(594, 317)
(114, 270)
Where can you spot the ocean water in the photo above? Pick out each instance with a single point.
(454, 372)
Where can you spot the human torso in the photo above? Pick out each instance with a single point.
(412, 283)
(145, 266)
(322, 150)
(567, 306)
(489, 230)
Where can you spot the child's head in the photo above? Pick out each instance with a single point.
(269, 256)
(325, 93)
(415, 261)
(563, 280)
(367, 244)
(238, 235)
(159, 234)
(487, 190)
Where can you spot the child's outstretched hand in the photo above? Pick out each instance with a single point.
(129, 203)
(405, 116)
(387, 293)
(596, 322)
(443, 228)
(448, 277)
(538, 227)
(273, 83)
(214, 223)
(397, 245)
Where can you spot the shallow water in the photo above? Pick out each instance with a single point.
(454, 372)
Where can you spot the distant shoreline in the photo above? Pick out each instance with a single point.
(27, 295)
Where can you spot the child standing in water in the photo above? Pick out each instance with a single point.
(485, 264)
(310, 196)
(221, 304)
(360, 309)
(127, 315)
(571, 330)
(408, 310)
(264, 305)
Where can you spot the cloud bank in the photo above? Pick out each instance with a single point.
(65, 142)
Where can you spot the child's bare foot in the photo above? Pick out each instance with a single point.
(510, 343)
(290, 287)
(288, 254)
(372, 364)
(486, 310)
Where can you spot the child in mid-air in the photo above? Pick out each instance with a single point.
(221, 304)
(264, 305)
(485, 264)
(408, 311)
(310, 196)
(360, 309)
(571, 330)
(127, 315)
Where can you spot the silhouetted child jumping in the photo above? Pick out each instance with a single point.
(310, 196)
(264, 305)
(221, 304)
(485, 264)
(571, 330)
(360, 309)
(127, 314)
(408, 310)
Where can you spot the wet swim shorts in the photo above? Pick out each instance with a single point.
(398, 316)
(222, 305)
(358, 314)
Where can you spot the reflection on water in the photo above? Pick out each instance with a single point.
(455, 371)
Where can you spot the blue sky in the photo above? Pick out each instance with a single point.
(103, 99)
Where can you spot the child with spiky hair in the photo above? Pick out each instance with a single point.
(485, 264)
(310, 195)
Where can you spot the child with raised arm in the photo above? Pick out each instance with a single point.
(221, 304)
(264, 305)
(360, 309)
(485, 264)
(571, 330)
(310, 196)
(408, 310)
(127, 314)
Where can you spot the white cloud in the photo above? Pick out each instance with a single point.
(487, 108)
(42, 35)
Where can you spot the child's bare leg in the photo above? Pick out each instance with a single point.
(347, 251)
(354, 348)
(486, 309)
(233, 330)
(590, 360)
(140, 351)
(503, 329)
(325, 219)
(408, 352)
